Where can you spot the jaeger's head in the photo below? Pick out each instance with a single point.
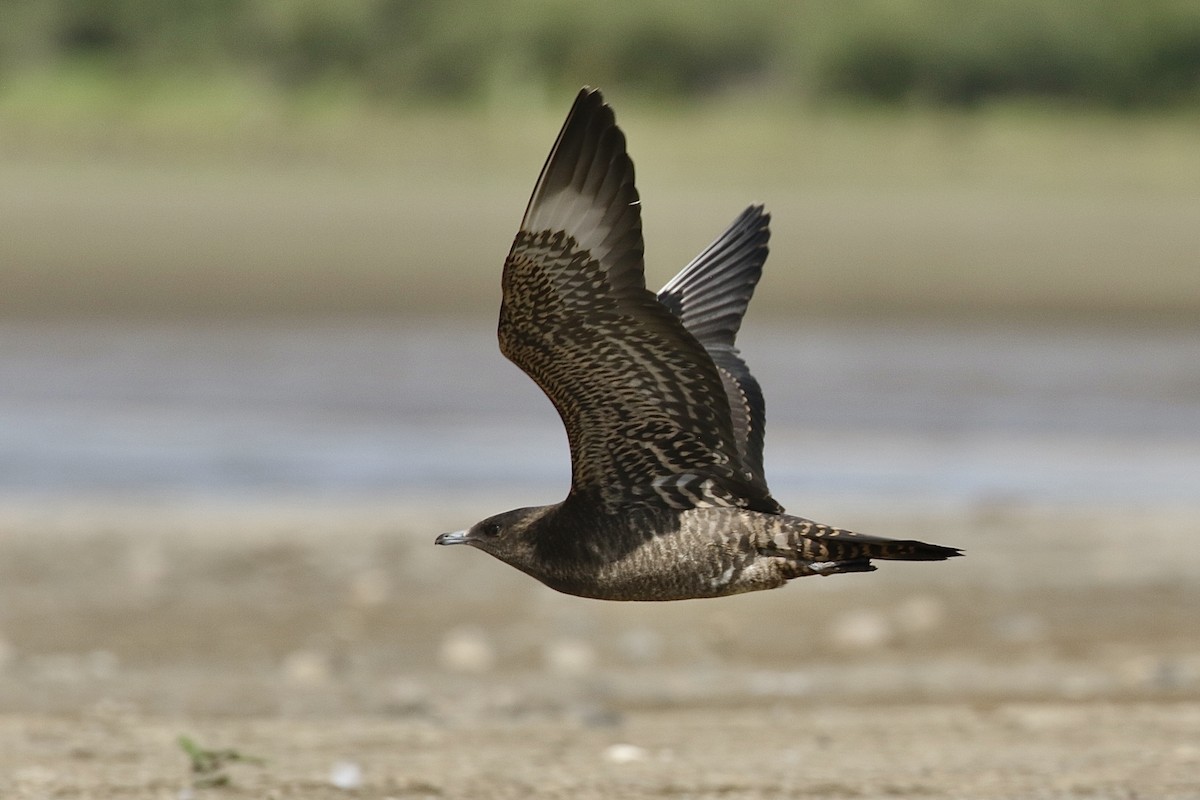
(506, 536)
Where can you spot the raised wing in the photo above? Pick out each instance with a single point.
(645, 410)
(710, 296)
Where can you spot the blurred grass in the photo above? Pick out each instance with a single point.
(216, 196)
(1113, 53)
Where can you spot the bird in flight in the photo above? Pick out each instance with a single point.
(668, 498)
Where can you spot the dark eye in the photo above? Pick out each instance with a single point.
(490, 529)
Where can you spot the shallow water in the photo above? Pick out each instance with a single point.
(872, 411)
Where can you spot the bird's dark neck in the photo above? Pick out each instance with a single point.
(582, 532)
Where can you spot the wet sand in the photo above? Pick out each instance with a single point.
(1061, 658)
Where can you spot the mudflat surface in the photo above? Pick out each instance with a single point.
(1089, 749)
(1061, 658)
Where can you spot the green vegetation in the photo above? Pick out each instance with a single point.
(209, 768)
(1107, 53)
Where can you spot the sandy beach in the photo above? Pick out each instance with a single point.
(335, 643)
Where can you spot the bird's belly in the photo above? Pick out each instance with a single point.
(670, 568)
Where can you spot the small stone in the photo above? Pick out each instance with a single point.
(569, 656)
(467, 650)
(624, 753)
(306, 668)
(861, 630)
(346, 775)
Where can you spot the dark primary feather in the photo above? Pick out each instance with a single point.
(710, 296)
(645, 409)
(586, 190)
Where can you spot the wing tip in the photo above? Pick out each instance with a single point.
(756, 211)
(590, 147)
(590, 101)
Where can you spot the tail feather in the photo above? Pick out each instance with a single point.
(822, 544)
(910, 550)
(933, 552)
(851, 547)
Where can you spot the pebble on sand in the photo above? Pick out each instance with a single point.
(569, 656)
(306, 668)
(861, 630)
(622, 753)
(345, 775)
(467, 650)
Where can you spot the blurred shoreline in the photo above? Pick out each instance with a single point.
(881, 412)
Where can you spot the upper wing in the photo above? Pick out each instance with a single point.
(710, 296)
(645, 411)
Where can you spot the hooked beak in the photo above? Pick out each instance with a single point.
(458, 537)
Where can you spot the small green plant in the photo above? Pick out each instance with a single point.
(209, 767)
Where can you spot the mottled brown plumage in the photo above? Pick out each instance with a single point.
(668, 498)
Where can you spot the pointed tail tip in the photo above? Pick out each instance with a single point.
(922, 551)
